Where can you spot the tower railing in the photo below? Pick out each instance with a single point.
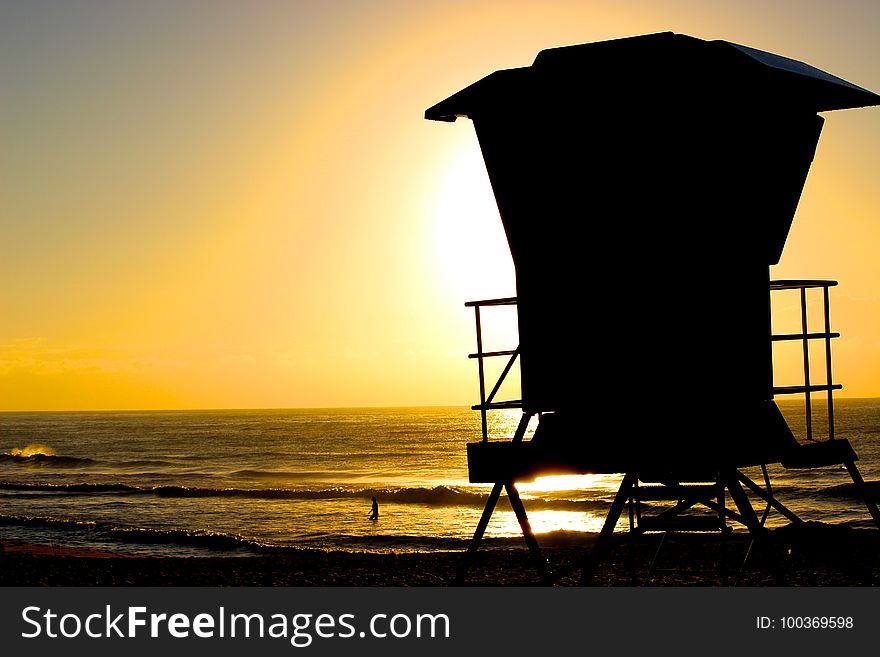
(487, 402)
(805, 337)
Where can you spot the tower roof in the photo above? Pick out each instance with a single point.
(673, 67)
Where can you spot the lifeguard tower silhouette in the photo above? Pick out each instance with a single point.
(646, 185)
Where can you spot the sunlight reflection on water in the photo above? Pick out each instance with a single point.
(504, 523)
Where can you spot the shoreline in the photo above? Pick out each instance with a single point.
(812, 555)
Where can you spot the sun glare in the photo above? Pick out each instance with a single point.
(469, 241)
(505, 523)
(588, 482)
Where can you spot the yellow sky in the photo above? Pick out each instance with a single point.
(208, 206)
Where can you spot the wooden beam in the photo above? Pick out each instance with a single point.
(759, 533)
(534, 549)
(768, 497)
(863, 491)
(491, 503)
(489, 509)
(588, 566)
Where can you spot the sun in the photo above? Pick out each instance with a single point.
(469, 242)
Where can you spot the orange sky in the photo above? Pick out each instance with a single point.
(242, 206)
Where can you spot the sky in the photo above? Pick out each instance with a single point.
(240, 204)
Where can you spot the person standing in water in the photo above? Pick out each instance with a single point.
(374, 511)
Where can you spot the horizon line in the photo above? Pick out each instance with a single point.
(309, 408)
(232, 408)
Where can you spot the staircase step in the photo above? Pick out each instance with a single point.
(819, 454)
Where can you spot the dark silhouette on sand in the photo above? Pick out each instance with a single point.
(646, 185)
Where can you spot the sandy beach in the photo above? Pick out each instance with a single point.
(816, 555)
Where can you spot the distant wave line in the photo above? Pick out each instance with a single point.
(290, 474)
(142, 535)
(238, 544)
(434, 496)
(872, 488)
(45, 459)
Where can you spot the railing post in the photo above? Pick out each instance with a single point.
(806, 342)
(482, 375)
(828, 363)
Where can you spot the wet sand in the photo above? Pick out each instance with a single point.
(816, 555)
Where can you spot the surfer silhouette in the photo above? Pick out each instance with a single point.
(374, 510)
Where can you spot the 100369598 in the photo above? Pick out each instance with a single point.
(804, 623)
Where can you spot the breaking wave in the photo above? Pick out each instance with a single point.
(198, 538)
(41, 455)
(431, 496)
(236, 544)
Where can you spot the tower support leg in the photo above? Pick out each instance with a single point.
(520, 511)
(759, 533)
(767, 496)
(863, 492)
(491, 503)
(591, 561)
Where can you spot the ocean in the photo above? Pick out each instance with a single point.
(240, 482)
